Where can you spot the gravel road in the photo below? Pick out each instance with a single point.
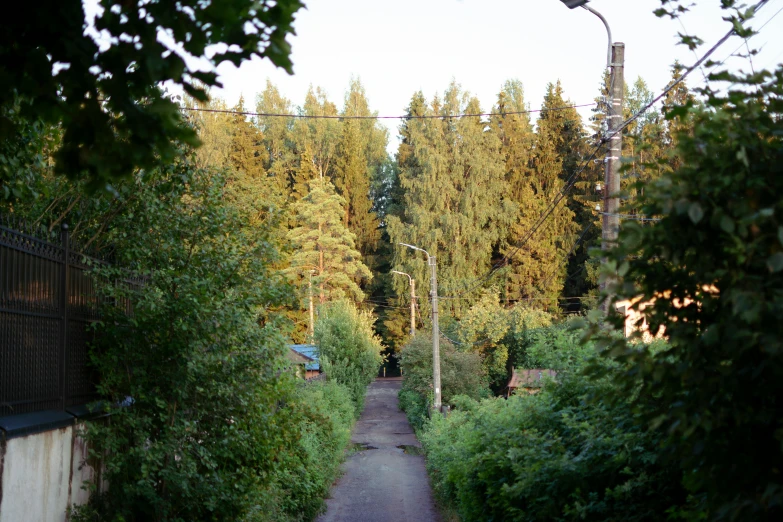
(382, 482)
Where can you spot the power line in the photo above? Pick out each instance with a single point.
(405, 117)
(572, 179)
(682, 77)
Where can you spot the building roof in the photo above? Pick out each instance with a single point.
(310, 351)
(297, 358)
(530, 378)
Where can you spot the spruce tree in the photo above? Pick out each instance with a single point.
(277, 138)
(360, 154)
(452, 175)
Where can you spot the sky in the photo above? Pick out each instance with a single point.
(398, 47)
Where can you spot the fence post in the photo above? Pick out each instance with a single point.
(64, 276)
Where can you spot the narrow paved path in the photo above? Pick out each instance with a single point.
(382, 483)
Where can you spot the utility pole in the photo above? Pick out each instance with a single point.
(611, 220)
(412, 284)
(435, 332)
(413, 308)
(435, 327)
(312, 314)
(615, 57)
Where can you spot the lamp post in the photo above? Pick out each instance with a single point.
(412, 283)
(616, 62)
(312, 315)
(435, 328)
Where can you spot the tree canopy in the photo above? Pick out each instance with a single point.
(101, 85)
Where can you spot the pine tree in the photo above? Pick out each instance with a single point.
(322, 243)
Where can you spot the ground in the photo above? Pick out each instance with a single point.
(385, 480)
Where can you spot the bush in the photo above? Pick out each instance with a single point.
(349, 351)
(556, 455)
(325, 412)
(195, 377)
(461, 373)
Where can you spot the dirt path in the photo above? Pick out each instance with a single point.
(382, 482)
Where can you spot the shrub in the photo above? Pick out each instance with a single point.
(349, 351)
(195, 375)
(556, 455)
(325, 414)
(461, 373)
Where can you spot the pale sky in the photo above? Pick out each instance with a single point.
(397, 47)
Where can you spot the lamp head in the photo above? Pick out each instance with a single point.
(573, 4)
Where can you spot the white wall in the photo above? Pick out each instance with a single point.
(42, 475)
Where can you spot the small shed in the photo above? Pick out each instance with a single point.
(529, 380)
(309, 352)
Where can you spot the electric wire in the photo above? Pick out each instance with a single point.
(572, 179)
(374, 117)
(682, 77)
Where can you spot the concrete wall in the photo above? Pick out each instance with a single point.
(41, 475)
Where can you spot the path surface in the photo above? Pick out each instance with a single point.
(382, 483)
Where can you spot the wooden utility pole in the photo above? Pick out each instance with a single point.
(312, 313)
(611, 221)
(413, 307)
(435, 333)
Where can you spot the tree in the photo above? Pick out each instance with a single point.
(322, 243)
(318, 135)
(452, 176)
(104, 92)
(360, 154)
(711, 273)
(278, 140)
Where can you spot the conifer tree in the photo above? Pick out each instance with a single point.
(247, 156)
(318, 135)
(277, 138)
(360, 154)
(322, 243)
(452, 175)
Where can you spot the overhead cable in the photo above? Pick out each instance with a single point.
(405, 117)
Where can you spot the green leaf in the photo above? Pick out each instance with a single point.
(727, 224)
(695, 212)
(775, 262)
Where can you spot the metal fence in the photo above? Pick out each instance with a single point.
(47, 302)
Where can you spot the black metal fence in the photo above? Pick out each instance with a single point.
(47, 302)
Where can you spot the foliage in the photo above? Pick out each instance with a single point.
(97, 77)
(557, 347)
(709, 272)
(348, 350)
(194, 373)
(461, 373)
(555, 455)
(323, 243)
(326, 413)
(452, 178)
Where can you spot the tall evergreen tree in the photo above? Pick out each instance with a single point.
(322, 243)
(360, 153)
(277, 138)
(452, 175)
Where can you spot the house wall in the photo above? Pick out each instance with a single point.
(42, 474)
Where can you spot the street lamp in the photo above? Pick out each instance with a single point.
(615, 60)
(412, 283)
(572, 4)
(435, 326)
